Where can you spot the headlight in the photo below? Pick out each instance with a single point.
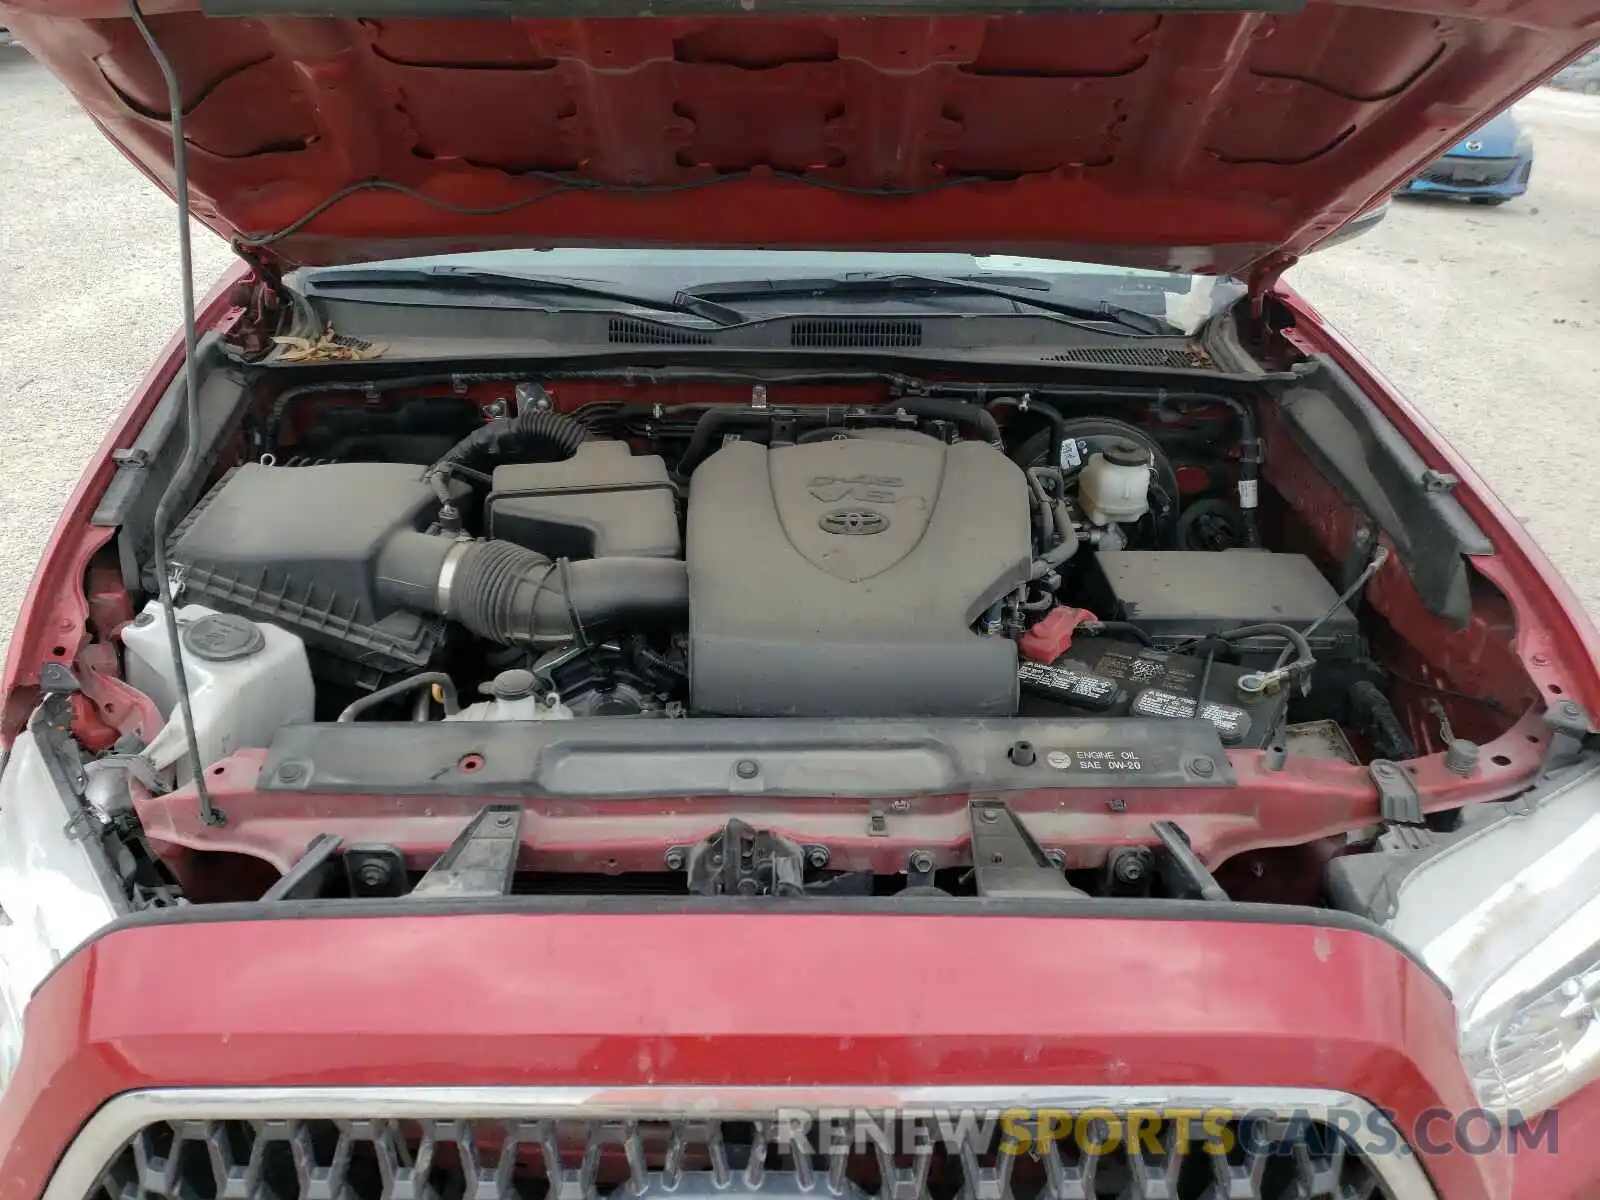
(1509, 918)
(52, 896)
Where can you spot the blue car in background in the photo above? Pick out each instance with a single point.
(1489, 166)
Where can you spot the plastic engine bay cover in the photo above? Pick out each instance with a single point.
(842, 578)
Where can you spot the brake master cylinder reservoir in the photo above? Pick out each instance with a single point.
(1115, 485)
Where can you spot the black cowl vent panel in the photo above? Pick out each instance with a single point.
(842, 578)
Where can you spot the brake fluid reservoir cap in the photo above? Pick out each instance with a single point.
(1125, 454)
(223, 637)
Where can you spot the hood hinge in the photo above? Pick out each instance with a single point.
(263, 299)
(1265, 277)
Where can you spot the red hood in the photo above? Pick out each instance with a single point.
(1201, 141)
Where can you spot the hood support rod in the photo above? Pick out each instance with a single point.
(191, 426)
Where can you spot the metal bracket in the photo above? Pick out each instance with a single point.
(1569, 730)
(53, 729)
(1182, 871)
(1007, 862)
(136, 457)
(309, 875)
(739, 860)
(482, 859)
(1438, 483)
(1362, 541)
(1398, 799)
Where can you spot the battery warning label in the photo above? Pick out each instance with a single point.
(1095, 760)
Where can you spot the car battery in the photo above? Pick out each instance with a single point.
(1108, 677)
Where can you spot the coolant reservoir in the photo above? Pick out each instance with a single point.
(246, 681)
(516, 698)
(1115, 485)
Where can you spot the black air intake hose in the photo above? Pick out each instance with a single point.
(518, 598)
(539, 434)
(959, 412)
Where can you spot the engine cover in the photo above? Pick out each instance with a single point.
(842, 578)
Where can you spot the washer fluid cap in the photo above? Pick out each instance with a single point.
(223, 637)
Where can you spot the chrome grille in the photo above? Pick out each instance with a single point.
(476, 1151)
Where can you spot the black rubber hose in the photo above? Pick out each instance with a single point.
(1023, 455)
(1117, 629)
(539, 434)
(958, 412)
(1249, 469)
(515, 597)
(711, 426)
(1304, 659)
(452, 703)
(1376, 716)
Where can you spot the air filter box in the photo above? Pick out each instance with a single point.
(603, 502)
(298, 547)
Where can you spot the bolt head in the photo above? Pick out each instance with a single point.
(1202, 766)
(291, 773)
(746, 768)
(1129, 867)
(674, 859)
(1117, 804)
(818, 856)
(373, 873)
(921, 862)
(989, 815)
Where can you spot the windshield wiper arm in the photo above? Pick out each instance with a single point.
(477, 279)
(903, 283)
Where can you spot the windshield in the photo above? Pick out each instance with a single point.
(1184, 302)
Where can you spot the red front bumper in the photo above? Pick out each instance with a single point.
(775, 998)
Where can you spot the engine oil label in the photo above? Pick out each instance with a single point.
(1095, 760)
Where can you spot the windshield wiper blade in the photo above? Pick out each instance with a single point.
(903, 283)
(477, 279)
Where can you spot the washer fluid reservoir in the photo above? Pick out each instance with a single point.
(246, 681)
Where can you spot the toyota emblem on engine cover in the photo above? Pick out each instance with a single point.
(852, 522)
